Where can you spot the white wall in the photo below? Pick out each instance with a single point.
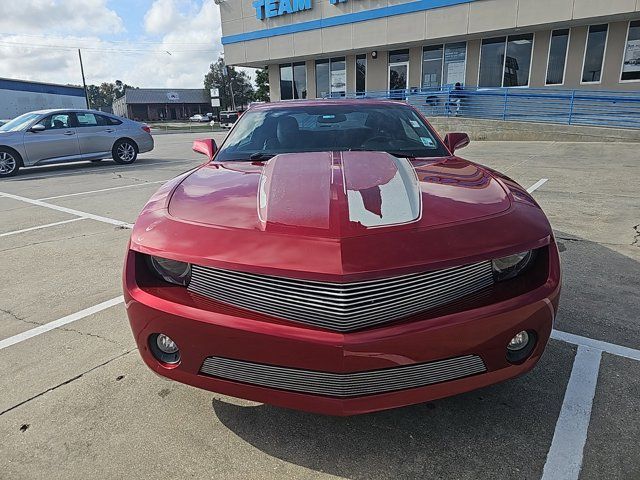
(14, 103)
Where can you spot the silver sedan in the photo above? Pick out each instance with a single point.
(60, 136)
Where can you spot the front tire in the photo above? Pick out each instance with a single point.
(10, 163)
(125, 152)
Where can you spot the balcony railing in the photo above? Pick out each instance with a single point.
(568, 107)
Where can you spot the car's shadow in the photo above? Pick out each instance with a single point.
(76, 168)
(502, 431)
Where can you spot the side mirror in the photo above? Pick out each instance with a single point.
(37, 128)
(456, 141)
(207, 147)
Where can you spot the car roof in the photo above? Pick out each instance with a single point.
(75, 110)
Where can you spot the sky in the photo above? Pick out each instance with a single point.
(144, 43)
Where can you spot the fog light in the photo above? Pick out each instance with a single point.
(519, 342)
(166, 345)
(164, 349)
(520, 347)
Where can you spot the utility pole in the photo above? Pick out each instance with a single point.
(84, 82)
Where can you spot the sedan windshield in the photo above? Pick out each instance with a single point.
(397, 129)
(19, 123)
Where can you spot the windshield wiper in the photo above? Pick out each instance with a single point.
(390, 152)
(261, 156)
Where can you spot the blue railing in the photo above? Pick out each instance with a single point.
(568, 107)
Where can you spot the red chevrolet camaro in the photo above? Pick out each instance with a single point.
(337, 257)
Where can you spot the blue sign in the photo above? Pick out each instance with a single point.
(274, 8)
(277, 8)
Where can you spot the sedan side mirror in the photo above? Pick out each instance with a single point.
(207, 147)
(456, 141)
(38, 128)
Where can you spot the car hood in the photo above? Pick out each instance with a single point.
(338, 195)
(340, 216)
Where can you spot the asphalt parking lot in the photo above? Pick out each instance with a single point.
(77, 402)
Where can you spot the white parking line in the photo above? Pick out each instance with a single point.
(142, 184)
(70, 211)
(39, 227)
(537, 185)
(47, 327)
(564, 460)
(607, 347)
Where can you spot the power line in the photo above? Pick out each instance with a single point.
(145, 42)
(106, 49)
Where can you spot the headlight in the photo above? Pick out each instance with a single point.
(170, 271)
(511, 266)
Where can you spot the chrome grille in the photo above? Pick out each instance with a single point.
(343, 384)
(341, 307)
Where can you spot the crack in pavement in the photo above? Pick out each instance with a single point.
(66, 382)
(584, 240)
(17, 317)
(87, 334)
(636, 237)
(34, 244)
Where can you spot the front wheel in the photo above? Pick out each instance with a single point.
(125, 152)
(9, 163)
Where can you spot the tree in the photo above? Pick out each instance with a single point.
(221, 77)
(262, 82)
(106, 93)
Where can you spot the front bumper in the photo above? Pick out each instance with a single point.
(204, 330)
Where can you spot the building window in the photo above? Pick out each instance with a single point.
(361, 73)
(498, 69)
(455, 63)
(594, 53)
(300, 80)
(492, 62)
(518, 62)
(338, 76)
(323, 86)
(556, 64)
(286, 82)
(331, 77)
(631, 64)
(398, 69)
(443, 64)
(432, 63)
(293, 81)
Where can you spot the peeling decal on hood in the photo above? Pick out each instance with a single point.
(381, 190)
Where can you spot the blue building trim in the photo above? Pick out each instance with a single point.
(46, 88)
(346, 19)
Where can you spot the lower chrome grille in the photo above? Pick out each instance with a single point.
(343, 384)
(341, 307)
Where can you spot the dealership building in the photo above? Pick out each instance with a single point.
(154, 104)
(317, 48)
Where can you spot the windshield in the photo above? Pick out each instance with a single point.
(397, 129)
(19, 123)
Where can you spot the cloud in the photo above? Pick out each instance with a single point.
(188, 29)
(163, 17)
(36, 16)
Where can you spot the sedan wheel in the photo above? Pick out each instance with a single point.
(125, 152)
(9, 164)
